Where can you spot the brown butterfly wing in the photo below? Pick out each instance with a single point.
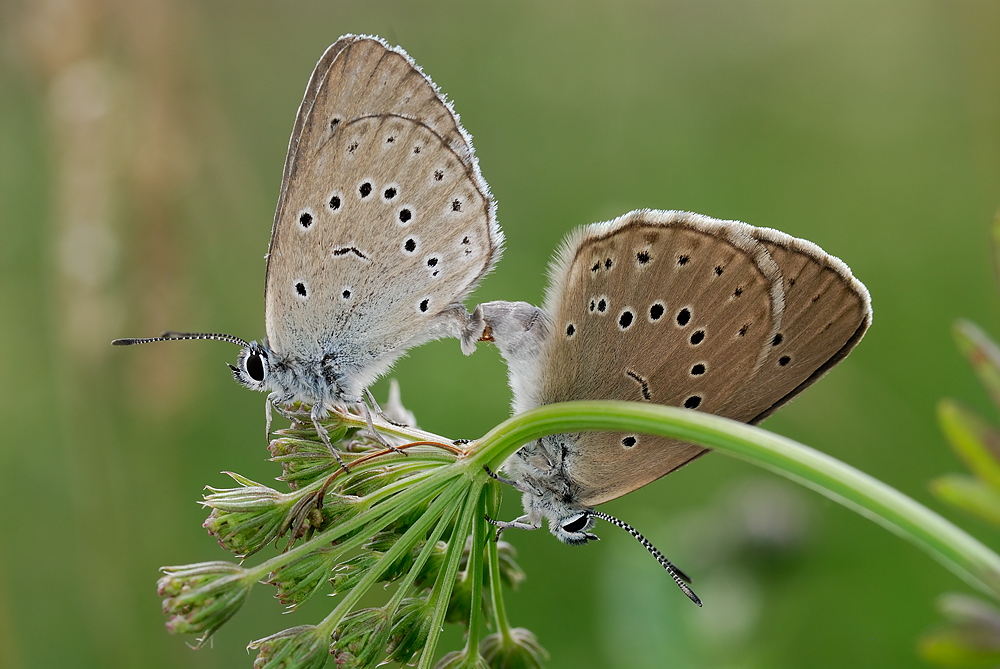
(383, 221)
(748, 295)
(827, 312)
(657, 307)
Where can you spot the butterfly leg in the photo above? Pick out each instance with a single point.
(268, 403)
(371, 426)
(378, 410)
(521, 486)
(274, 401)
(522, 523)
(316, 414)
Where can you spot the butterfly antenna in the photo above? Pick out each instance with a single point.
(174, 336)
(680, 578)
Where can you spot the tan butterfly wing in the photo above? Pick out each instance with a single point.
(827, 312)
(718, 357)
(383, 221)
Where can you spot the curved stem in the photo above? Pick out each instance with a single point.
(496, 591)
(954, 548)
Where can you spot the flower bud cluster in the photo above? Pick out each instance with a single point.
(300, 579)
(520, 650)
(303, 647)
(199, 598)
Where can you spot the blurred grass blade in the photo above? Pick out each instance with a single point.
(975, 441)
(970, 637)
(962, 645)
(982, 353)
(995, 240)
(970, 495)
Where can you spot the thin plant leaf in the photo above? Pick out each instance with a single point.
(970, 637)
(995, 240)
(982, 353)
(973, 439)
(970, 495)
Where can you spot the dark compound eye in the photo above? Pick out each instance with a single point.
(255, 367)
(577, 525)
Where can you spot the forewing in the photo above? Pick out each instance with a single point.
(383, 220)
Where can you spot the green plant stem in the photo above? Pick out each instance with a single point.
(474, 572)
(425, 554)
(951, 546)
(402, 546)
(374, 519)
(496, 591)
(445, 582)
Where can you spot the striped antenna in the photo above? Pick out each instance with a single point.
(680, 578)
(175, 336)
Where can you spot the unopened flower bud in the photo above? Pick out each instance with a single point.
(360, 639)
(300, 579)
(199, 598)
(521, 650)
(409, 631)
(301, 647)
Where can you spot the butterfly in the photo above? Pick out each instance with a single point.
(384, 225)
(671, 308)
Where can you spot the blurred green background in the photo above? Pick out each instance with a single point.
(141, 149)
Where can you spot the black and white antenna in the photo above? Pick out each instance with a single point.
(680, 578)
(175, 336)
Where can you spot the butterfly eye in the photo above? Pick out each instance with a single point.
(577, 524)
(255, 367)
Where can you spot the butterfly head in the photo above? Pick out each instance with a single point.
(253, 368)
(572, 529)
